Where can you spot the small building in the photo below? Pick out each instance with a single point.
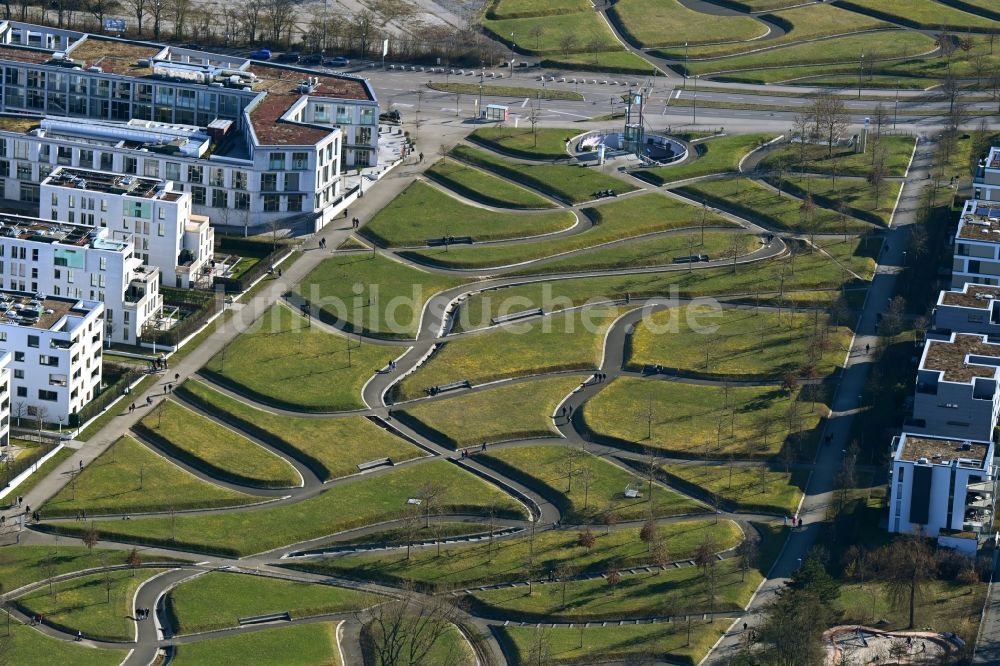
(56, 347)
(977, 244)
(972, 308)
(956, 394)
(147, 212)
(943, 488)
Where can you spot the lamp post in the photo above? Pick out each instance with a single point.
(482, 73)
(694, 107)
(686, 62)
(512, 54)
(895, 110)
(861, 72)
(60, 423)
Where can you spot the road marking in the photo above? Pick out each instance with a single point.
(449, 109)
(402, 104)
(567, 113)
(525, 102)
(678, 95)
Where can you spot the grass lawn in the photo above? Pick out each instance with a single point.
(843, 161)
(661, 22)
(639, 642)
(219, 451)
(578, 32)
(546, 143)
(859, 257)
(586, 488)
(747, 488)
(365, 501)
(644, 252)
(521, 8)
(398, 535)
(111, 484)
(451, 647)
(217, 600)
(484, 187)
(743, 345)
(693, 420)
(27, 563)
(945, 606)
(809, 22)
(470, 565)
(671, 592)
(808, 271)
(29, 647)
(572, 184)
(888, 44)
(352, 243)
(925, 14)
(282, 360)
(356, 291)
(616, 220)
(422, 212)
(620, 62)
(856, 196)
(331, 447)
(748, 198)
(719, 155)
(473, 89)
(516, 411)
(295, 645)
(85, 604)
(550, 344)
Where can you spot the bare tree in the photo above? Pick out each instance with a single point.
(568, 43)
(363, 26)
(134, 560)
(157, 10)
(649, 534)
(101, 8)
(50, 570)
(251, 20)
(880, 118)
(800, 128)
(540, 651)
(430, 493)
(536, 31)
(404, 630)
(878, 173)
(179, 14)
(279, 17)
(910, 567)
(90, 537)
(830, 116)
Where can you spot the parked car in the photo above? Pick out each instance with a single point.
(261, 54)
(339, 61)
(390, 116)
(193, 47)
(312, 59)
(289, 56)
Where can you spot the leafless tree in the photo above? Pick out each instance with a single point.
(20, 409)
(830, 117)
(878, 173)
(134, 560)
(90, 537)
(540, 651)
(101, 8)
(880, 118)
(179, 10)
(737, 246)
(403, 631)
(363, 26)
(279, 17)
(139, 8)
(157, 10)
(800, 128)
(50, 570)
(568, 43)
(910, 566)
(536, 31)
(649, 534)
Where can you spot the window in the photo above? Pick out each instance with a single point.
(220, 198)
(86, 158)
(19, 357)
(51, 361)
(22, 391)
(33, 341)
(29, 192)
(367, 116)
(130, 165)
(151, 168)
(240, 180)
(107, 161)
(300, 161)
(276, 161)
(217, 177)
(198, 195)
(268, 182)
(23, 171)
(270, 203)
(364, 135)
(291, 182)
(161, 213)
(295, 204)
(49, 396)
(242, 201)
(173, 171)
(195, 174)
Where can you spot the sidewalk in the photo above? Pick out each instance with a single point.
(821, 483)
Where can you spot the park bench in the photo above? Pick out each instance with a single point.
(270, 617)
(454, 386)
(372, 464)
(450, 240)
(514, 316)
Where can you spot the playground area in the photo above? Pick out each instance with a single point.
(863, 645)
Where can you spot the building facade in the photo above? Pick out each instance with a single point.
(986, 182)
(973, 308)
(150, 214)
(5, 358)
(246, 139)
(977, 245)
(942, 488)
(55, 345)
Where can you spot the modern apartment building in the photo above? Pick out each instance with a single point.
(986, 182)
(944, 488)
(977, 244)
(250, 141)
(56, 353)
(973, 308)
(956, 394)
(82, 263)
(5, 358)
(149, 213)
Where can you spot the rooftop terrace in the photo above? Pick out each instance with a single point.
(980, 221)
(978, 296)
(951, 357)
(24, 54)
(114, 56)
(106, 182)
(42, 231)
(941, 451)
(41, 312)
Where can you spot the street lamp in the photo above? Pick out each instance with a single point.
(61, 420)
(686, 63)
(694, 107)
(512, 54)
(861, 72)
(895, 110)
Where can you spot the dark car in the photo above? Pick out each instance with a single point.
(311, 59)
(288, 57)
(193, 47)
(390, 116)
(339, 61)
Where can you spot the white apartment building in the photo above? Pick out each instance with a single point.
(149, 213)
(973, 308)
(5, 358)
(956, 394)
(56, 347)
(250, 141)
(977, 244)
(944, 488)
(82, 263)
(986, 182)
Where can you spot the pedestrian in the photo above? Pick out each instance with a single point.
(744, 626)
(483, 448)
(868, 348)
(131, 408)
(84, 514)
(79, 635)
(20, 500)
(421, 157)
(81, 465)
(785, 520)
(177, 376)
(279, 272)
(27, 509)
(3, 520)
(149, 400)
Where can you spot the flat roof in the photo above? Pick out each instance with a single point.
(950, 357)
(113, 55)
(940, 450)
(980, 221)
(88, 180)
(43, 313)
(993, 159)
(25, 54)
(272, 131)
(972, 295)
